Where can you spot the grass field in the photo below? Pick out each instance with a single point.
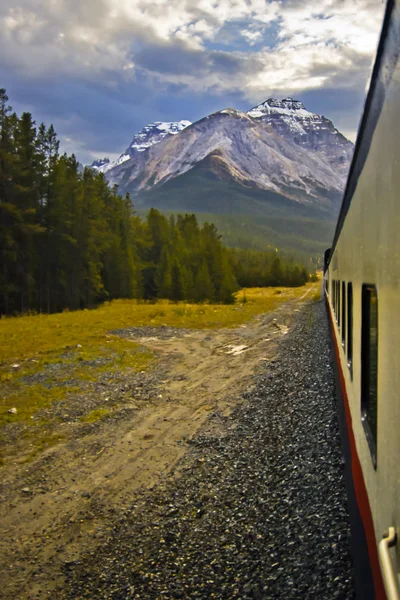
(35, 336)
(45, 357)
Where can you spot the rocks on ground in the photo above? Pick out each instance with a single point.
(259, 512)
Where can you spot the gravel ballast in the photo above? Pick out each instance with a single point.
(258, 511)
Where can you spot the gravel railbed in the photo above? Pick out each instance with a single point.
(259, 512)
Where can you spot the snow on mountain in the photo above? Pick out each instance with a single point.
(99, 163)
(292, 114)
(103, 165)
(289, 111)
(287, 106)
(154, 133)
(316, 133)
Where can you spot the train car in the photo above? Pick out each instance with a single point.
(362, 283)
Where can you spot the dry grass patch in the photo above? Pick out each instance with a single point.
(96, 415)
(46, 358)
(62, 374)
(44, 336)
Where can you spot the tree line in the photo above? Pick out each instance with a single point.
(68, 240)
(257, 268)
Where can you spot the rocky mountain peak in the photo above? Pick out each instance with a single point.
(288, 106)
(153, 134)
(290, 119)
(100, 162)
(102, 165)
(230, 111)
(288, 102)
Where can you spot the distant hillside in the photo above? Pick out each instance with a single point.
(247, 217)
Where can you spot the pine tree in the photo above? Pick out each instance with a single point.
(188, 285)
(9, 214)
(276, 273)
(228, 285)
(26, 202)
(47, 147)
(178, 291)
(163, 275)
(203, 287)
(158, 231)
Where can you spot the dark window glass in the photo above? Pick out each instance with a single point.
(369, 366)
(338, 304)
(343, 313)
(334, 295)
(335, 298)
(350, 327)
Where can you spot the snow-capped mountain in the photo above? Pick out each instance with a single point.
(288, 107)
(103, 165)
(100, 162)
(152, 134)
(278, 146)
(291, 119)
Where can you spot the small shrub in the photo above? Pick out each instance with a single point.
(95, 415)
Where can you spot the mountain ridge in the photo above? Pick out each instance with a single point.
(236, 162)
(276, 145)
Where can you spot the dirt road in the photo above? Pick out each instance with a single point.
(67, 500)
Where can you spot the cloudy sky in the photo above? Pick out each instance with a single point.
(99, 70)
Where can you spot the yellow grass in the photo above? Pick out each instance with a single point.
(32, 336)
(96, 415)
(33, 344)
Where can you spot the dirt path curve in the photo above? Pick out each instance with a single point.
(67, 500)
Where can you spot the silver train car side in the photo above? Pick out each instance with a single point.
(362, 283)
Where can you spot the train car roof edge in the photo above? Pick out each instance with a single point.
(371, 113)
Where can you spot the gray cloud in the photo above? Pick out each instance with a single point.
(176, 59)
(225, 62)
(173, 58)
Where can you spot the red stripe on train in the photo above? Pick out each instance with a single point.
(359, 485)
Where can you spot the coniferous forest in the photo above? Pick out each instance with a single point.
(68, 240)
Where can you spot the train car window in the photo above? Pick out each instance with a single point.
(335, 304)
(369, 366)
(338, 304)
(334, 296)
(343, 314)
(350, 327)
